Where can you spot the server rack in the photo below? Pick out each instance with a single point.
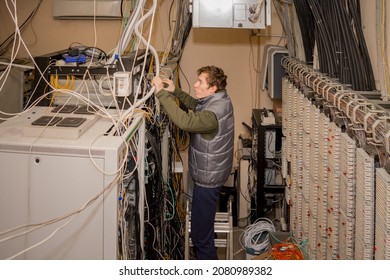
(58, 170)
(266, 151)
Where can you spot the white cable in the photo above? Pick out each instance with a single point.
(134, 126)
(15, 44)
(17, 65)
(125, 37)
(42, 241)
(156, 58)
(46, 223)
(255, 16)
(256, 236)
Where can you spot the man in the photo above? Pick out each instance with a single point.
(210, 122)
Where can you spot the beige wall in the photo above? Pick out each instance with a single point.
(369, 29)
(47, 35)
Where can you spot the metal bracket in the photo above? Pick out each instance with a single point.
(367, 116)
(374, 130)
(387, 140)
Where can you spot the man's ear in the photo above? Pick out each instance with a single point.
(213, 88)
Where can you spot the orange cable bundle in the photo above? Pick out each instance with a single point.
(286, 251)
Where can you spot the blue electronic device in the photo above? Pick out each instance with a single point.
(77, 58)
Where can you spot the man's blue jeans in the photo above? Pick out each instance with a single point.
(204, 204)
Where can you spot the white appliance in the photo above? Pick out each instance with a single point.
(47, 176)
(244, 14)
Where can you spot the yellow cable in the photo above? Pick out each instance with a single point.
(54, 82)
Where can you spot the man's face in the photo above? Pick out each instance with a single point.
(202, 88)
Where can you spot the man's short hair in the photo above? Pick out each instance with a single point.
(216, 77)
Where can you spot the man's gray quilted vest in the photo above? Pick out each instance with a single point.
(210, 161)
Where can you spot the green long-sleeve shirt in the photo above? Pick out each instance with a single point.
(195, 122)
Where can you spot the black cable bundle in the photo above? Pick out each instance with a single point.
(325, 42)
(176, 224)
(306, 24)
(155, 198)
(354, 7)
(8, 41)
(129, 222)
(342, 51)
(163, 233)
(183, 25)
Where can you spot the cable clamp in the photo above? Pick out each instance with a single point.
(300, 76)
(382, 120)
(334, 86)
(295, 71)
(317, 87)
(374, 134)
(326, 89)
(335, 97)
(314, 83)
(371, 113)
(387, 142)
(349, 105)
(360, 103)
(344, 94)
(308, 76)
(289, 62)
(285, 61)
(293, 66)
(357, 104)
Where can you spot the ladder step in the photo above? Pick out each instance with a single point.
(223, 224)
(220, 243)
(218, 228)
(219, 216)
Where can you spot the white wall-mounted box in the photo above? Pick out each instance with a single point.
(87, 9)
(245, 14)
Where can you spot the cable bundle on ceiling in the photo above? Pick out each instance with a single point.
(306, 24)
(339, 39)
